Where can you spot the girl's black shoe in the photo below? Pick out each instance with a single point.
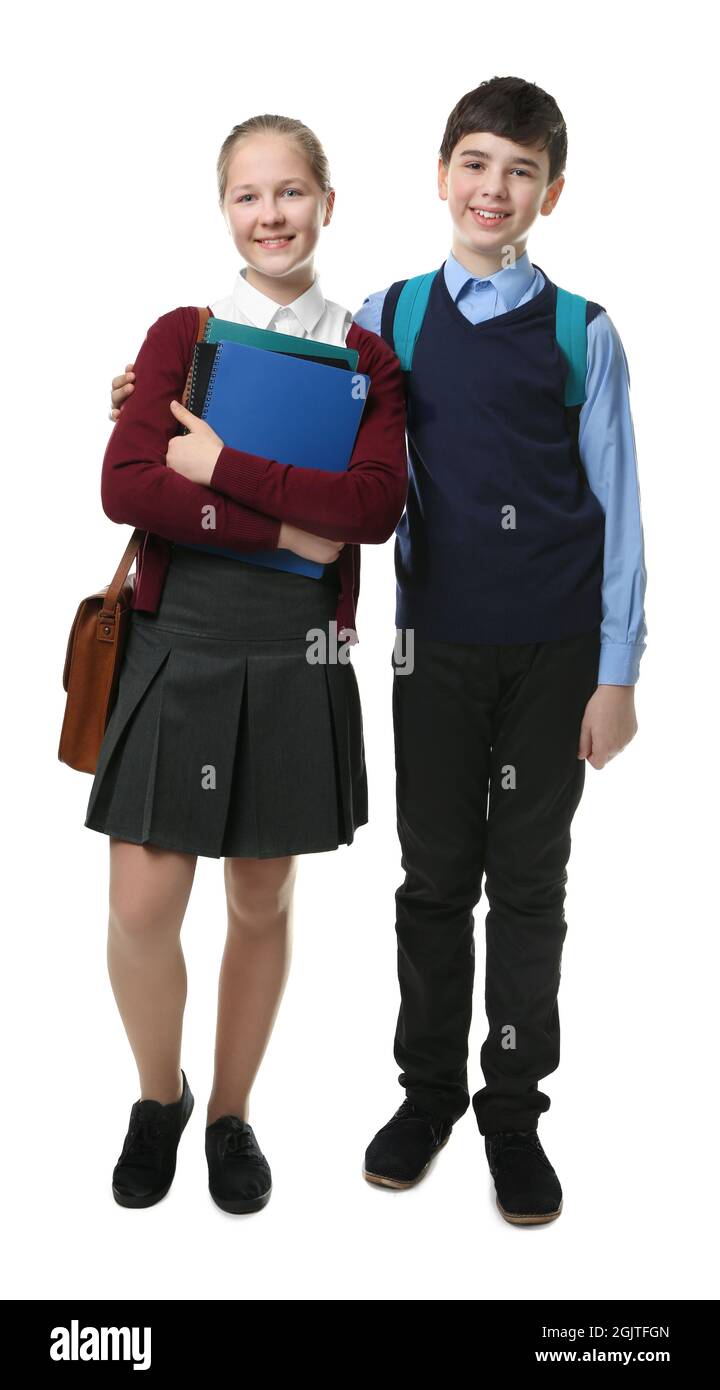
(145, 1169)
(239, 1175)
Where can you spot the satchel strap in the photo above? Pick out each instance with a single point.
(120, 575)
(203, 316)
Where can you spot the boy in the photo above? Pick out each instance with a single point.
(521, 577)
(517, 539)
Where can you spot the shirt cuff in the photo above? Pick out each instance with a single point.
(620, 663)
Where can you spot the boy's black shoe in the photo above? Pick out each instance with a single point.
(239, 1173)
(527, 1186)
(402, 1151)
(146, 1167)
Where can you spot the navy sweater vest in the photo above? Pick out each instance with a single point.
(502, 538)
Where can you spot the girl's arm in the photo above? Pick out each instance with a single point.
(362, 504)
(138, 488)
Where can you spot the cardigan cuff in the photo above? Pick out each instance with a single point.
(256, 532)
(238, 475)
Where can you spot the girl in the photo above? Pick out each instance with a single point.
(225, 740)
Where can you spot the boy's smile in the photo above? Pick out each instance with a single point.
(495, 189)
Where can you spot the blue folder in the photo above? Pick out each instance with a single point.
(288, 409)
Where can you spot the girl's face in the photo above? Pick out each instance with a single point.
(275, 211)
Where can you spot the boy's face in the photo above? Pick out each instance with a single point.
(489, 173)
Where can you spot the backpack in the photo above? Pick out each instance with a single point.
(401, 329)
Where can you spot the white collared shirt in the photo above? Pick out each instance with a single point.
(309, 316)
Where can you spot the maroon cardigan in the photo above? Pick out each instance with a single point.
(251, 495)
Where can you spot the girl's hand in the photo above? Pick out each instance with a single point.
(194, 454)
(121, 387)
(310, 547)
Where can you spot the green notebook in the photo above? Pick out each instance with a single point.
(223, 330)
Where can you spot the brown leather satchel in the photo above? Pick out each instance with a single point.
(92, 664)
(95, 650)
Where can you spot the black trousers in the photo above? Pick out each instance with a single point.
(488, 781)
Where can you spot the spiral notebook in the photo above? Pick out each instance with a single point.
(226, 330)
(204, 360)
(281, 406)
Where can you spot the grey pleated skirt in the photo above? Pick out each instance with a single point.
(224, 739)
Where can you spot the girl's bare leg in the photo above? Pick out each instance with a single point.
(149, 892)
(254, 972)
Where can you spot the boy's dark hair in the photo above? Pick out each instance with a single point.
(514, 109)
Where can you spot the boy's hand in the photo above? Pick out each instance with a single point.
(121, 387)
(608, 724)
(310, 547)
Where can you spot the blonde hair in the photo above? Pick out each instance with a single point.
(282, 125)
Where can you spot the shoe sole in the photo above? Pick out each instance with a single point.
(531, 1218)
(127, 1199)
(397, 1183)
(238, 1206)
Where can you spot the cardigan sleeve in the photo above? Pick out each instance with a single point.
(364, 502)
(138, 488)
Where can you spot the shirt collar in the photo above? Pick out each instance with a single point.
(511, 283)
(308, 308)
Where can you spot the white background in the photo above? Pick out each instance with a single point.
(113, 117)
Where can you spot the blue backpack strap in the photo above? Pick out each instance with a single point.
(409, 299)
(571, 333)
(409, 316)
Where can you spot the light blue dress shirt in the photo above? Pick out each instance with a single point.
(607, 452)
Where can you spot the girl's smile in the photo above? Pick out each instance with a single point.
(274, 243)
